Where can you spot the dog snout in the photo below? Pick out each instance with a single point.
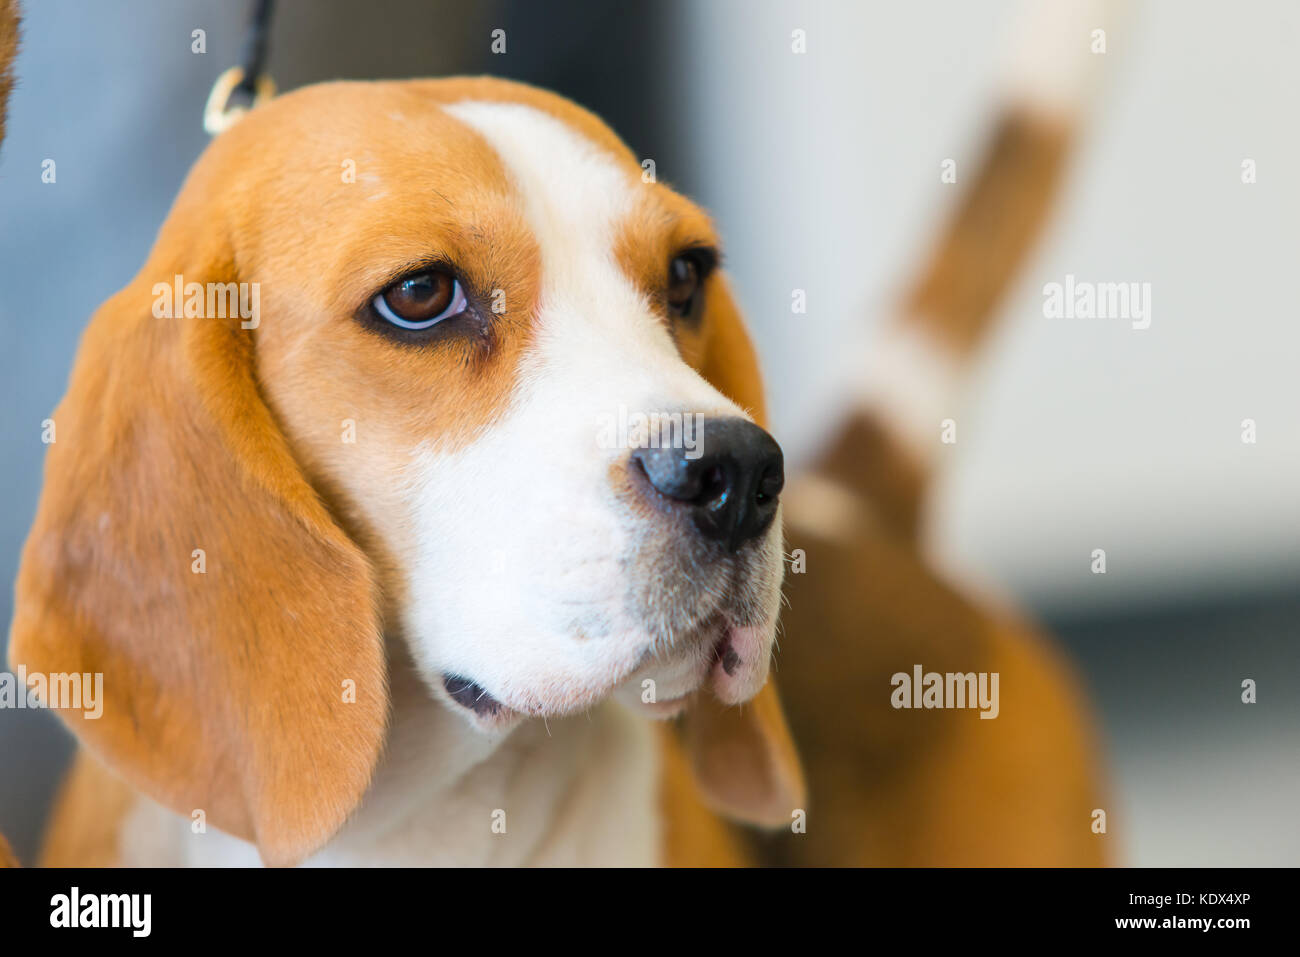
(729, 485)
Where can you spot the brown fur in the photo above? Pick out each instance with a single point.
(917, 787)
(997, 224)
(693, 836)
(9, 21)
(87, 818)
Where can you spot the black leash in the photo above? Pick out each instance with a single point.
(246, 84)
(252, 57)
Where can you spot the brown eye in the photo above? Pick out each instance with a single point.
(684, 277)
(422, 300)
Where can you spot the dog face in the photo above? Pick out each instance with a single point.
(505, 304)
(465, 290)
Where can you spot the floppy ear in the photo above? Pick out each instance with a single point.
(179, 551)
(743, 757)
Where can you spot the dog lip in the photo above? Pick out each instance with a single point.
(712, 639)
(472, 696)
(741, 660)
(723, 653)
(492, 712)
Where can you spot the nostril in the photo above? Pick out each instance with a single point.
(672, 475)
(729, 487)
(714, 487)
(769, 486)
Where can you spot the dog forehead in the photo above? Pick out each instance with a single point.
(457, 128)
(562, 177)
(575, 197)
(580, 202)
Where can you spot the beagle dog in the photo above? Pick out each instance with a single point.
(337, 509)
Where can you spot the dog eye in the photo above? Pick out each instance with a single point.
(684, 277)
(420, 301)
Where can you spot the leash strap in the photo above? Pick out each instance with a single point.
(246, 84)
(252, 58)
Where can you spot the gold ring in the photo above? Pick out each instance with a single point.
(219, 113)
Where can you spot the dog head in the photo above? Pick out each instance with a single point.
(431, 358)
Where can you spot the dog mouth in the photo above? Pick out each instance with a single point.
(472, 696)
(727, 659)
(689, 635)
(487, 712)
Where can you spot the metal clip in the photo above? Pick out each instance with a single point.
(219, 113)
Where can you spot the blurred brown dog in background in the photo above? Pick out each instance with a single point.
(889, 786)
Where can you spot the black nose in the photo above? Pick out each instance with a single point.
(729, 482)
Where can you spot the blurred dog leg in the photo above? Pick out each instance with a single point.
(7, 858)
(87, 819)
(942, 785)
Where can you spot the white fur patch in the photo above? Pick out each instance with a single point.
(910, 382)
(826, 508)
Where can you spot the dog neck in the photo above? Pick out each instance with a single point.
(580, 790)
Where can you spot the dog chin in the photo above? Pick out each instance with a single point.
(728, 660)
(731, 664)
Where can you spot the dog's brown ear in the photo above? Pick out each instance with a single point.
(179, 551)
(743, 757)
